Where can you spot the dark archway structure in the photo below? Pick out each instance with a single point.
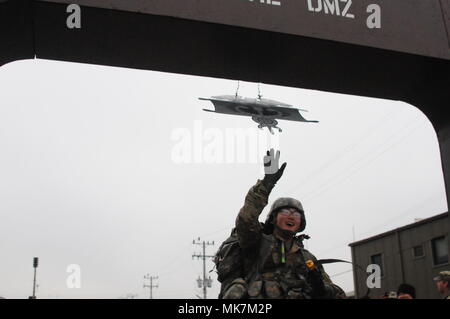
(416, 71)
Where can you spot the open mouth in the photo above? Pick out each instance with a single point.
(290, 224)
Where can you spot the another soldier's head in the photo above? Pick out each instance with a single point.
(406, 291)
(443, 282)
(286, 215)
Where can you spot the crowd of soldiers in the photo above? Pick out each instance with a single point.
(407, 291)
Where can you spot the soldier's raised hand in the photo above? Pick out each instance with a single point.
(271, 165)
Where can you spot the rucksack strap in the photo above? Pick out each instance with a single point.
(264, 251)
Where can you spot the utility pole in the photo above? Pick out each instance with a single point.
(151, 286)
(35, 265)
(205, 282)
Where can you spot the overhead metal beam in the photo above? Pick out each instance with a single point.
(170, 44)
(410, 26)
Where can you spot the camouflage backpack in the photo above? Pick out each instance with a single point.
(229, 262)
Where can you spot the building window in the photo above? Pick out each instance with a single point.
(418, 251)
(377, 260)
(440, 250)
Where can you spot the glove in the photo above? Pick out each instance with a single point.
(317, 283)
(271, 170)
(315, 279)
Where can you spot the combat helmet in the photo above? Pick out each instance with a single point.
(280, 203)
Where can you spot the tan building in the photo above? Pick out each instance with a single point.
(411, 254)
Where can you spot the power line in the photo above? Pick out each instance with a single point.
(172, 261)
(318, 190)
(219, 230)
(341, 273)
(166, 266)
(339, 178)
(345, 151)
(403, 213)
(205, 282)
(151, 286)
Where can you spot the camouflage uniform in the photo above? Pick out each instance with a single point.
(268, 274)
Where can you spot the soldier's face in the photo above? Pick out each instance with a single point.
(289, 219)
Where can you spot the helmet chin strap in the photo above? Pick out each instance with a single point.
(284, 233)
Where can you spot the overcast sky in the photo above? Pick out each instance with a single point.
(91, 175)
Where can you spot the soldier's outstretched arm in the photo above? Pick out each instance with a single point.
(248, 228)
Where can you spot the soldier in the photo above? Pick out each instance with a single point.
(275, 264)
(443, 283)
